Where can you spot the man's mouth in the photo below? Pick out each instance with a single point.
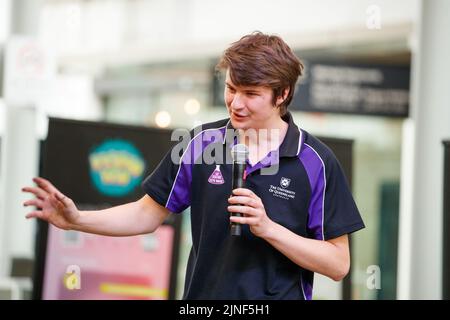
(238, 116)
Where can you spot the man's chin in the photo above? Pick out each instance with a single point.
(239, 125)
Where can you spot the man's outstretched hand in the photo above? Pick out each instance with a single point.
(55, 207)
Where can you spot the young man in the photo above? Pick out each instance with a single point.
(295, 219)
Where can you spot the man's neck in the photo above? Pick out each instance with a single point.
(273, 132)
(261, 141)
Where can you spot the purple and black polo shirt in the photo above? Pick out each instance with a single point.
(308, 195)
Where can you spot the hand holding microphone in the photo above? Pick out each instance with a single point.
(245, 201)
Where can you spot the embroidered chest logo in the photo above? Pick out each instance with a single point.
(216, 177)
(282, 191)
(285, 182)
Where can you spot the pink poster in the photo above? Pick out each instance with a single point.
(85, 266)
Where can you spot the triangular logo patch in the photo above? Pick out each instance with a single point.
(216, 177)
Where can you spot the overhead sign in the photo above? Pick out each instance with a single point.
(354, 89)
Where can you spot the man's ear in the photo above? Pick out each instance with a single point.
(283, 97)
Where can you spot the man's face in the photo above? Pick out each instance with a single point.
(250, 107)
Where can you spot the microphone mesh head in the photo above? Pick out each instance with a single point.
(239, 153)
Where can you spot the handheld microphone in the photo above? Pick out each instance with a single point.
(239, 153)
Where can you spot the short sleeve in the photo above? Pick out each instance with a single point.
(170, 183)
(332, 209)
(341, 213)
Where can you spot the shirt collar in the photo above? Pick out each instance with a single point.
(292, 143)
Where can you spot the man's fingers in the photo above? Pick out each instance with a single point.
(243, 209)
(35, 214)
(243, 200)
(244, 220)
(45, 184)
(243, 192)
(34, 202)
(50, 188)
(63, 199)
(38, 192)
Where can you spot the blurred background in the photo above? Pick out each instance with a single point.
(376, 78)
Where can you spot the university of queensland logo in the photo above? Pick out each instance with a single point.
(285, 182)
(116, 167)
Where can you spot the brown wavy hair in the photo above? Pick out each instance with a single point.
(258, 59)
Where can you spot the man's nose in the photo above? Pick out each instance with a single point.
(237, 102)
